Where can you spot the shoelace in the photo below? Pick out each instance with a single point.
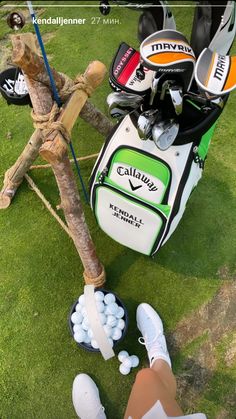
(158, 343)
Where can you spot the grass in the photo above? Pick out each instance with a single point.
(41, 273)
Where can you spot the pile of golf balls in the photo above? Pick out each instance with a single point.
(127, 362)
(111, 316)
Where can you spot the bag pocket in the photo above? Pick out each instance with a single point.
(128, 220)
(139, 174)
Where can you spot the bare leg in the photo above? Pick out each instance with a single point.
(152, 384)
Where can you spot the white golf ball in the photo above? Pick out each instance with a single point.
(90, 333)
(103, 318)
(82, 300)
(120, 313)
(112, 308)
(87, 339)
(79, 336)
(110, 340)
(107, 330)
(111, 321)
(127, 363)
(116, 333)
(135, 361)
(123, 370)
(78, 308)
(122, 355)
(120, 324)
(106, 311)
(99, 296)
(94, 344)
(100, 306)
(85, 324)
(77, 328)
(109, 298)
(76, 318)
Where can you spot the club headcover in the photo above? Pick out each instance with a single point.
(169, 52)
(215, 73)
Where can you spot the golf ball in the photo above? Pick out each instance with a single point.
(77, 328)
(112, 308)
(123, 370)
(87, 339)
(90, 333)
(85, 324)
(94, 344)
(103, 318)
(120, 313)
(100, 306)
(122, 355)
(79, 336)
(111, 321)
(110, 340)
(82, 300)
(120, 324)
(135, 361)
(78, 308)
(76, 318)
(116, 333)
(99, 296)
(127, 363)
(109, 298)
(107, 330)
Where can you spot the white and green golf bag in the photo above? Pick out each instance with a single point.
(142, 180)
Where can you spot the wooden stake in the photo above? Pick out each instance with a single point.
(33, 65)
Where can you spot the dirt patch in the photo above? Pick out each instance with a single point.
(216, 320)
(225, 273)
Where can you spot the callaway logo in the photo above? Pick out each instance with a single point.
(171, 47)
(220, 66)
(123, 171)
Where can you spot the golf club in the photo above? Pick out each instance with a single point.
(164, 133)
(176, 94)
(145, 123)
(121, 103)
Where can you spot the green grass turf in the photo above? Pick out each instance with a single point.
(41, 273)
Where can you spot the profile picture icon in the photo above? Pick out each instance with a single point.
(16, 20)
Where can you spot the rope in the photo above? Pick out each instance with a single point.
(47, 123)
(97, 282)
(70, 87)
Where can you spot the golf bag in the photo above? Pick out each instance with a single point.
(154, 157)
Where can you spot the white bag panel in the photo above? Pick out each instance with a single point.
(193, 179)
(176, 156)
(136, 181)
(127, 222)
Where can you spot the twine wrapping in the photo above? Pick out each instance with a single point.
(97, 282)
(48, 123)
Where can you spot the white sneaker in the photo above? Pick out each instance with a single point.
(151, 327)
(85, 397)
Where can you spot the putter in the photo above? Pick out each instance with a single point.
(176, 94)
(164, 133)
(145, 123)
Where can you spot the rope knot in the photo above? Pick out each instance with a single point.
(47, 123)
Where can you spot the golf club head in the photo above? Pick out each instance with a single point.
(122, 103)
(154, 86)
(164, 133)
(176, 94)
(145, 123)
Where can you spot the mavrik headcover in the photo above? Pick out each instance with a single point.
(215, 73)
(169, 52)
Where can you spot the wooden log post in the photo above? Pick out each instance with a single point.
(42, 103)
(54, 150)
(33, 65)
